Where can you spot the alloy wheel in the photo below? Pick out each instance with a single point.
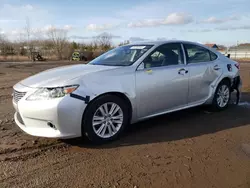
(223, 96)
(107, 120)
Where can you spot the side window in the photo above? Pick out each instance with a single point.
(165, 55)
(196, 54)
(213, 56)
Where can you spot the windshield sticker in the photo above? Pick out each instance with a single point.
(137, 47)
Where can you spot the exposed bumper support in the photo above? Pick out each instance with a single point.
(237, 84)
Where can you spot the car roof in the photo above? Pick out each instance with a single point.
(159, 42)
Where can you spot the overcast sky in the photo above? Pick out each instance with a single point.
(214, 21)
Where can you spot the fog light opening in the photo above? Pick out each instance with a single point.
(51, 125)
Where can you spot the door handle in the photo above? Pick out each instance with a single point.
(216, 67)
(182, 71)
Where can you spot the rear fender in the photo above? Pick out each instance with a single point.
(214, 86)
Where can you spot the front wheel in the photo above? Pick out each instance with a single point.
(105, 119)
(222, 96)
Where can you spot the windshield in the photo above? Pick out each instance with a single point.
(121, 56)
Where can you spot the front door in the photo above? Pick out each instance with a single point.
(163, 82)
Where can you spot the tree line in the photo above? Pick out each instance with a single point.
(53, 43)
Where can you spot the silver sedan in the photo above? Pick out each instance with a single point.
(124, 85)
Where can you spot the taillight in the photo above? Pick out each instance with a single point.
(237, 65)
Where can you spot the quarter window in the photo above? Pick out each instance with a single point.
(196, 54)
(165, 55)
(213, 56)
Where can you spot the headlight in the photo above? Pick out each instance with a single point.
(51, 93)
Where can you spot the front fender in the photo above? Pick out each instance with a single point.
(124, 84)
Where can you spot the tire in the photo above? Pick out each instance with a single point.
(90, 131)
(216, 105)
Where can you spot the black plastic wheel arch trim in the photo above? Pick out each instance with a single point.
(85, 99)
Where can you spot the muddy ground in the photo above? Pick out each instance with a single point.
(191, 148)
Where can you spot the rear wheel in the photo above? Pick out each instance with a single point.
(222, 96)
(105, 119)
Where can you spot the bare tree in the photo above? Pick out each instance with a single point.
(4, 44)
(104, 41)
(28, 31)
(19, 44)
(6, 47)
(59, 39)
(123, 43)
(1, 39)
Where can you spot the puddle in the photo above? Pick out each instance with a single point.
(244, 104)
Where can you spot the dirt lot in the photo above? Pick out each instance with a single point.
(191, 148)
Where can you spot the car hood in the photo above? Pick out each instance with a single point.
(61, 75)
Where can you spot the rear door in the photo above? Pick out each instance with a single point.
(204, 70)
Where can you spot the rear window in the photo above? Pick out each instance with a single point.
(196, 54)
